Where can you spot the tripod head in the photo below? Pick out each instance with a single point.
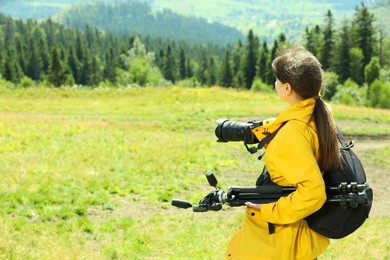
(212, 201)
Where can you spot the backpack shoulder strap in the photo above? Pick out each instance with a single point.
(344, 144)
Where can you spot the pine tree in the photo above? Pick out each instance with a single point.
(211, 73)
(237, 57)
(226, 72)
(56, 74)
(86, 70)
(189, 71)
(9, 33)
(237, 65)
(365, 32)
(313, 40)
(109, 72)
(10, 73)
(80, 48)
(74, 66)
(44, 54)
(250, 59)
(282, 38)
(96, 75)
(2, 60)
(270, 74)
(327, 48)
(34, 63)
(342, 61)
(182, 65)
(263, 65)
(202, 70)
(20, 47)
(169, 65)
(12, 69)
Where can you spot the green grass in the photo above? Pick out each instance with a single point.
(89, 174)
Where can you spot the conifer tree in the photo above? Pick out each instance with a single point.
(20, 47)
(263, 65)
(250, 59)
(12, 69)
(160, 59)
(44, 54)
(282, 38)
(341, 60)
(237, 57)
(237, 65)
(109, 72)
(226, 71)
(327, 47)
(202, 70)
(80, 48)
(211, 73)
(34, 63)
(74, 66)
(2, 59)
(363, 22)
(313, 40)
(96, 75)
(56, 74)
(86, 69)
(10, 72)
(182, 65)
(9, 33)
(169, 65)
(270, 74)
(189, 71)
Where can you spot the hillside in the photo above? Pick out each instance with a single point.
(267, 18)
(128, 18)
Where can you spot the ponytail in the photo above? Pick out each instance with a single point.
(329, 158)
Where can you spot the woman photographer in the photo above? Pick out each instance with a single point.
(304, 148)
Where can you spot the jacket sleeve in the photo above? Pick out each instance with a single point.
(292, 158)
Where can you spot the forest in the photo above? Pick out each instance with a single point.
(354, 55)
(137, 18)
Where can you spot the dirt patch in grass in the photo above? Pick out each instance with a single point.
(378, 176)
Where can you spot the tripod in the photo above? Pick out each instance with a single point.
(345, 194)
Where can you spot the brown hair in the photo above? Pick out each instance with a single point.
(302, 70)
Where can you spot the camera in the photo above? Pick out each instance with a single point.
(227, 131)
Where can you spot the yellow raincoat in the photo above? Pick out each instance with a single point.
(291, 160)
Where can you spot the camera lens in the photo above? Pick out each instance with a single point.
(227, 130)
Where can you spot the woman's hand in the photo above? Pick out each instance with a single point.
(253, 206)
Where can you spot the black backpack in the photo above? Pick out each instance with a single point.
(350, 207)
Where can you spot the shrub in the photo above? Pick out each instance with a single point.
(26, 82)
(379, 94)
(350, 93)
(331, 82)
(260, 86)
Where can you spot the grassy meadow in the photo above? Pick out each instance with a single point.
(90, 174)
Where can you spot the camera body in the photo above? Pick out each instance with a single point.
(250, 132)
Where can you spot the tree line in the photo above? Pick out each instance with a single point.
(50, 54)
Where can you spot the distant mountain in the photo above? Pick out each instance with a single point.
(128, 18)
(267, 18)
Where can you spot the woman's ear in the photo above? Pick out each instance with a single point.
(288, 89)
